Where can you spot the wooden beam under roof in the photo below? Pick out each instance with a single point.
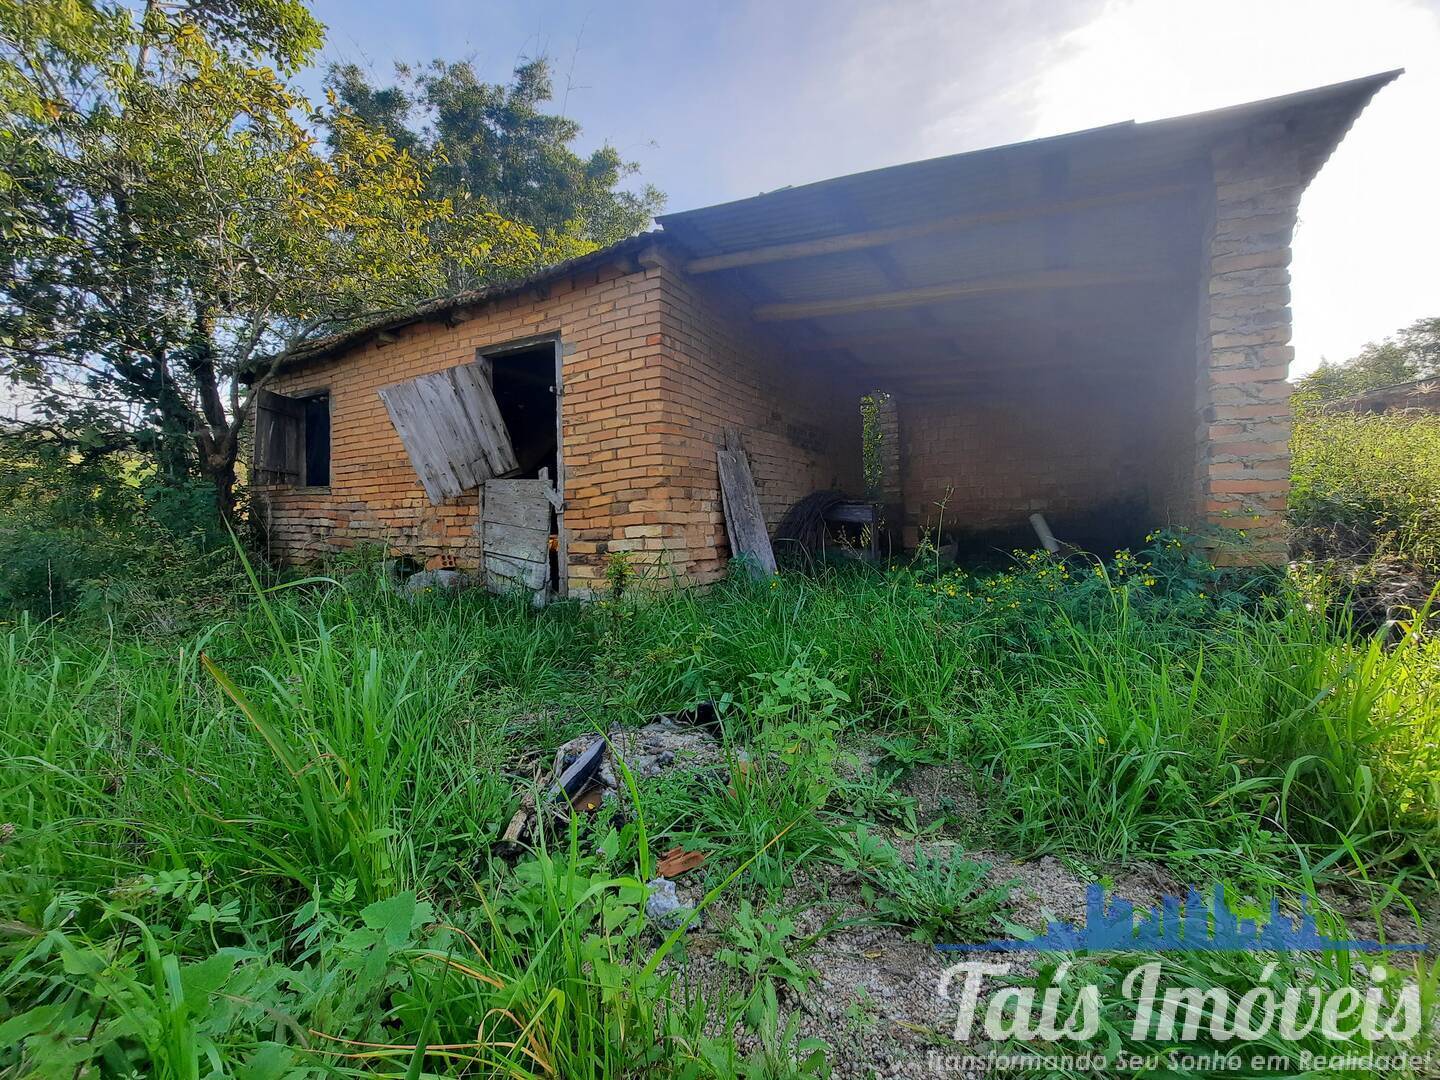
(871, 238)
(1032, 282)
(965, 367)
(903, 335)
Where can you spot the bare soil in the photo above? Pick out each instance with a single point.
(875, 998)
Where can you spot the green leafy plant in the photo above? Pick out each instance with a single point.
(863, 852)
(193, 873)
(759, 949)
(1366, 484)
(939, 896)
(782, 1053)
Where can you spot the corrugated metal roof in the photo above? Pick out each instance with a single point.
(1094, 159)
(1160, 156)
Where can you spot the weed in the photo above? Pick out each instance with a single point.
(759, 949)
(939, 896)
(1217, 977)
(862, 852)
(1368, 484)
(208, 860)
(782, 1053)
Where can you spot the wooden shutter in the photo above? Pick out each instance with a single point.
(279, 439)
(452, 430)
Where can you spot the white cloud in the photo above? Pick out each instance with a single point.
(1365, 259)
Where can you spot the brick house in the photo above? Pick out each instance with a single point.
(1094, 326)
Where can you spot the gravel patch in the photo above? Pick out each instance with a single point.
(875, 1000)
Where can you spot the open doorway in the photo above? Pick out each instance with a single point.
(880, 464)
(523, 381)
(522, 508)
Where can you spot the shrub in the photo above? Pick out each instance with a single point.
(1367, 485)
(102, 534)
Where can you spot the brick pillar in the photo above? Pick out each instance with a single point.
(1245, 353)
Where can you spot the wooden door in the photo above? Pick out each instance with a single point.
(515, 534)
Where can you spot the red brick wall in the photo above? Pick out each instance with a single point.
(1242, 396)
(653, 371)
(800, 425)
(657, 365)
(611, 441)
(1078, 452)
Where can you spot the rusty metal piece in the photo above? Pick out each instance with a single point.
(677, 861)
(590, 800)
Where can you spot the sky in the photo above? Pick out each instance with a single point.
(718, 101)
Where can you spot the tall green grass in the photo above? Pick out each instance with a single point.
(271, 842)
(1368, 484)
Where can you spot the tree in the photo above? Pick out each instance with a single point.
(169, 219)
(493, 146)
(1413, 353)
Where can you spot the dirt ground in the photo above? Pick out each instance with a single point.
(875, 1000)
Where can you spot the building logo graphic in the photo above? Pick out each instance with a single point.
(1191, 925)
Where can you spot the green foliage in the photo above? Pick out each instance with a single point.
(1237, 973)
(872, 442)
(772, 811)
(235, 837)
(1368, 484)
(494, 146)
(863, 852)
(760, 944)
(100, 533)
(941, 896)
(619, 572)
(1413, 353)
(167, 221)
(782, 1054)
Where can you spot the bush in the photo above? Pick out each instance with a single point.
(1367, 484)
(97, 534)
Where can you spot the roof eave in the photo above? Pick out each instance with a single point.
(445, 307)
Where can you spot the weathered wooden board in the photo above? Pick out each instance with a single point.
(451, 428)
(515, 534)
(744, 521)
(512, 541)
(505, 574)
(473, 387)
(279, 439)
(523, 503)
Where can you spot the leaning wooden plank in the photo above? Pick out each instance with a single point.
(455, 446)
(401, 402)
(477, 398)
(743, 518)
(1042, 530)
(452, 430)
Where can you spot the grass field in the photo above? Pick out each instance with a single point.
(261, 845)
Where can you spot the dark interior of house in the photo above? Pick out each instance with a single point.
(524, 385)
(317, 440)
